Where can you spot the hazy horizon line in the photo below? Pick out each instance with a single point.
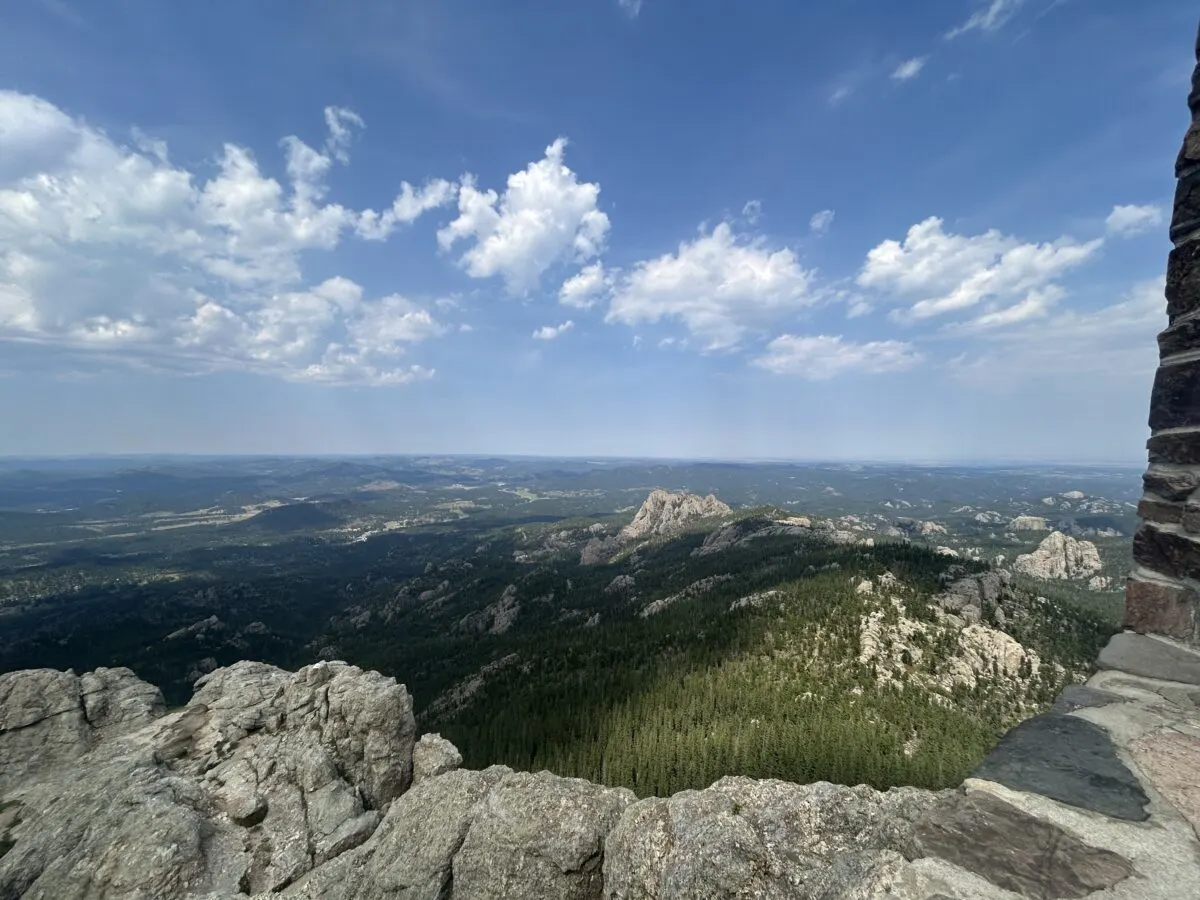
(597, 457)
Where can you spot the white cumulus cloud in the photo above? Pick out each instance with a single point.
(586, 287)
(719, 286)
(939, 273)
(821, 357)
(408, 206)
(109, 248)
(1130, 220)
(550, 332)
(545, 216)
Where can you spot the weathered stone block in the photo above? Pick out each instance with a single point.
(1186, 217)
(1183, 280)
(1191, 517)
(1166, 551)
(1160, 511)
(1175, 397)
(1181, 449)
(1171, 484)
(1189, 154)
(1154, 608)
(1184, 335)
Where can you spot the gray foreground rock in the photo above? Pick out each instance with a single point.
(311, 786)
(768, 839)
(49, 718)
(264, 776)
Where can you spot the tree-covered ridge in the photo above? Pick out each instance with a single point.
(734, 646)
(772, 688)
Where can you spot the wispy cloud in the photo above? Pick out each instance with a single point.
(631, 7)
(1112, 342)
(991, 17)
(821, 221)
(840, 93)
(1131, 220)
(821, 357)
(910, 68)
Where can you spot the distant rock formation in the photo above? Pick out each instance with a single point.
(988, 517)
(1060, 556)
(920, 526)
(695, 589)
(495, 618)
(664, 513)
(740, 533)
(896, 644)
(1029, 523)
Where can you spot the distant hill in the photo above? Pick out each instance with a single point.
(294, 517)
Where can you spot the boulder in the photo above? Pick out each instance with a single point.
(536, 836)
(433, 755)
(747, 838)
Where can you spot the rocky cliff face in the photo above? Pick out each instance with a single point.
(1060, 556)
(664, 513)
(310, 785)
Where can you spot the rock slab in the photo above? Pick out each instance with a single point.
(1067, 759)
(1150, 657)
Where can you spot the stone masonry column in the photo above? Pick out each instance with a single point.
(1162, 595)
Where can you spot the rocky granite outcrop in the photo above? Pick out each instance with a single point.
(1060, 556)
(50, 718)
(665, 513)
(297, 785)
(745, 531)
(264, 776)
(747, 838)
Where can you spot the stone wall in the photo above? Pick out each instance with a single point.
(1163, 593)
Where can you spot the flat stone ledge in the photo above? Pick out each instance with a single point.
(1080, 696)
(1150, 657)
(1016, 851)
(1068, 759)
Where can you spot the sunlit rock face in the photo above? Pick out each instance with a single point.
(1060, 556)
(665, 513)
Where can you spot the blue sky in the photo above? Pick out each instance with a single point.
(693, 228)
